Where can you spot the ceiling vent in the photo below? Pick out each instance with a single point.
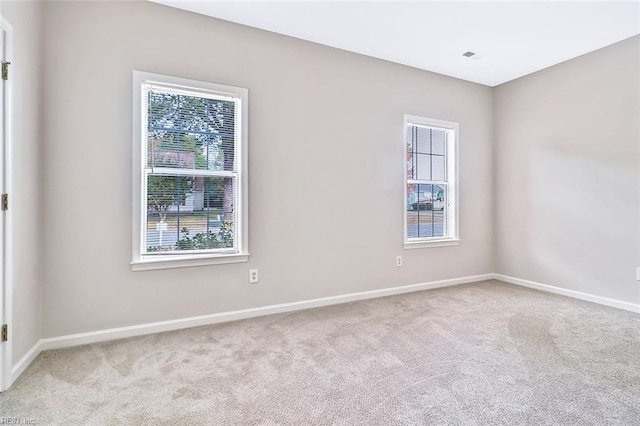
(472, 55)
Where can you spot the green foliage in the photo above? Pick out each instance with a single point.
(191, 132)
(200, 241)
(207, 240)
(200, 114)
(178, 145)
(211, 120)
(165, 191)
(225, 235)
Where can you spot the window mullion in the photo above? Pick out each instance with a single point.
(431, 210)
(179, 125)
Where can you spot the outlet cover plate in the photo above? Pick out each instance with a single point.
(253, 276)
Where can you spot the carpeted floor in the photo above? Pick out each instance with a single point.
(479, 354)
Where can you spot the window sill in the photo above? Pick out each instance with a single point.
(432, 243)
(168, 262)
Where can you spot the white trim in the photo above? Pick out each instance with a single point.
(6, 354)
(433, 243)
(179, 324)
(430, 122)
(240, 95)
(158, 327)
(25, 361)
(453, 200)
(620, 304)
(168, 262)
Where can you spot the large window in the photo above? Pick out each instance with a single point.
(430, 188)
(189, 172)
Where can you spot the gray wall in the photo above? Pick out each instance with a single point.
(326, 166)
(566, 175)
(26, 194)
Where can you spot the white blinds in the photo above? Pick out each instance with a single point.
(190, 146)
(427, 181)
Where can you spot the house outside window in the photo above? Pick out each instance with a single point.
(190, 172)
(431, 192)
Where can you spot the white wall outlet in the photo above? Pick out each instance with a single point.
(638, 274)
(398, 261)
(253, 276)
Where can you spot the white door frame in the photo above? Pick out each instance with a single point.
(6, 231)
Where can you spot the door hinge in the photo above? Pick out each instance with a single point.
(5, 202)
(5, 70)
(5, 333)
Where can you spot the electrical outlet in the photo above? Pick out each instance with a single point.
(398, 261)
(253, 276)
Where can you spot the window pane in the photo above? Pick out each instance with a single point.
(423, 166)
(410, 167)
(185, 150)
(426, 210)
(423, 136)
(438, 168)
(412, 158)
(190, 131)
(438, 141)
(186, 213)
(410, 161)
(409, 138)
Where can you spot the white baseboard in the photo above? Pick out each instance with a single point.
(620, 304)
(25, 361)
(158, 327)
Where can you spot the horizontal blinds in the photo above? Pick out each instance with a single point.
(187, 130)
(159, 87)
(427, 181)
(426, 153)
(190, 177)
(190, 214)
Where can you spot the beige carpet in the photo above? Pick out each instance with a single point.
(479, 354)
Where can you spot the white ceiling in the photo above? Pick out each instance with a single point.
(512, 38)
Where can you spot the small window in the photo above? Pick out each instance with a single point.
(431, 186)
(190, 177)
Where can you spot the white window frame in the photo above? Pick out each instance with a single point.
(141, 262)
(452, 129)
